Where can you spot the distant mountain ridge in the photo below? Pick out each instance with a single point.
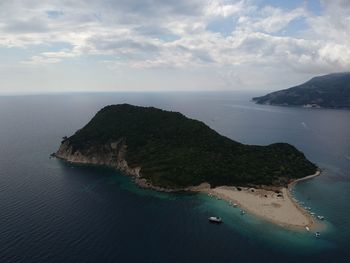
(328, 91)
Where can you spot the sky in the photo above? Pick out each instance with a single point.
(170, 45)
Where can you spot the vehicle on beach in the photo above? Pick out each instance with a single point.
(215, 219)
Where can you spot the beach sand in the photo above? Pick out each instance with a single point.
(276, 207)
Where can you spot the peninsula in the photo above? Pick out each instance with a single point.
(167, 151)
(328, 91)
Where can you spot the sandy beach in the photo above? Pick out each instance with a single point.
(275, 206)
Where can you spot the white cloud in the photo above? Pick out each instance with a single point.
(275, 19)
(41, 60)
(221, 8)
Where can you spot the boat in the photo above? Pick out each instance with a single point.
(307, 229)
(320, 217)
(317, 234)
(215, 219)
(235, 205)
(242, 212)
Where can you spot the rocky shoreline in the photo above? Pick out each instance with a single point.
(113, 155)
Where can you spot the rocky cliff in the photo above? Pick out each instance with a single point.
(110, 154)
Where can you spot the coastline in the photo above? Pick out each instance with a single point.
(302, 106)
(283, 211)
(294, 182)
(275, 206)
(278, 207)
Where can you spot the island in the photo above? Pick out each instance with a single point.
(328, 91)
(167, 151)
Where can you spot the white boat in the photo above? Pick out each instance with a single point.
(215, 219)
(320, 217)
(242, 212)
(307, 229)
(317, 234)
(235, 205)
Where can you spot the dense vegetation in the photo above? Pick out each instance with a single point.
(329, 91)
(175, 151)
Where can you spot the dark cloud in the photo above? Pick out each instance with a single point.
(151, 8)
(155, 31)
(26, 26)
(119, 45)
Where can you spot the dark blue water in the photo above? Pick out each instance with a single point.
(51, 211)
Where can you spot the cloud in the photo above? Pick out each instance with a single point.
(19, 26)
(274, 19)
(224, 9)
(41, 60)
(153, 34)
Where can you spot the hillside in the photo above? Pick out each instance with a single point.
(329, 91)
(172, 151)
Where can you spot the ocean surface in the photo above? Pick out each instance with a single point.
(52, 211)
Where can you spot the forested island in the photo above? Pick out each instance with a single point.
(168, 150)
(328, 91)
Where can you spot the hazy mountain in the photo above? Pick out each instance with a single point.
(328, 91)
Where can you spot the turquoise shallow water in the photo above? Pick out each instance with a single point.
(52, 211)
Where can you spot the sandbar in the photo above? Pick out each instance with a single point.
(277, 206)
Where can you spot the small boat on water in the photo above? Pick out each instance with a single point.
(320, 217)
(242, 212)
(307, 229)
(317, 234)
(215, 219)
(235, 205)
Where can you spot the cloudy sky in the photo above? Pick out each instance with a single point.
(107, 45)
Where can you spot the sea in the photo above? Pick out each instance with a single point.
(53, 211)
